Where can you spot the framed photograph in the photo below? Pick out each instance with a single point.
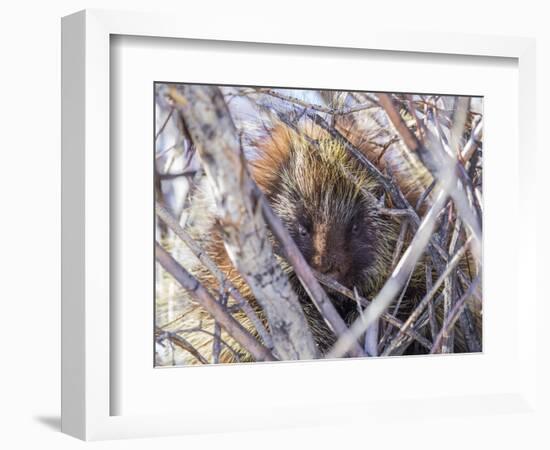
(264, 230)
(336, 175)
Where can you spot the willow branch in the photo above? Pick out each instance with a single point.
(427, 298)
(441, 165)
(216, 309)
(387, 317)
(314, 107)
(473, 143)
(182, 343)
(213, 133)
(225, 283)
(455, 313)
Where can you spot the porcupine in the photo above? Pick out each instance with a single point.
(330, 205)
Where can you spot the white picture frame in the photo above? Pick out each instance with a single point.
(87, 325)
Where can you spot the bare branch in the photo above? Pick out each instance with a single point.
(218, 311)
(443, 168)
(314, 107)
(163, 126)
(182, 343)
(449, 290)
(243, 228)
(424, 302)
(449, 323)
(387, 317)
(225, 283)
(473, 143)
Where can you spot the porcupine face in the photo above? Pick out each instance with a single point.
(327, 202)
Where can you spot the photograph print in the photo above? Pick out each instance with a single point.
(308, 224)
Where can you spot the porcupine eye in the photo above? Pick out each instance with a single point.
(302, 230)
(355, 229)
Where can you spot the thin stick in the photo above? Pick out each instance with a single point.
(225, 283)
(395, 310)
(449, 290)
(215, 137)
(431, 311)
(218, 311)
(163, 126)
(387, 317)
(449, 323)
(424, 302)
(199, 329)
(182, 343)
(314, 107)
(216, 344)
(443, 168)
(473, 143)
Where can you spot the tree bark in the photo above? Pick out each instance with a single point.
(240, 218)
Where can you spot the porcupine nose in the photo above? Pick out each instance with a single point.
(326, 259)
(331, 268)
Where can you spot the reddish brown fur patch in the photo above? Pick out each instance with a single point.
(320, 244)
(275, 151)
(218, 253)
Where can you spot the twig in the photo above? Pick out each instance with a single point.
(449, 323)
(424, 302)
(314, 107)
(395, 310)
(399, 244)
(371, 338)
(431, 311)
(171, 176)
(473, 143)
(414, 113)
(443, 168)
(225, 284)
(424, 195)
(215, 137)
(449, 290)
(396, 212)
(182, 343)
(218, 311)
(216, 344)
(387, 317)
(163, 126)
(199, 329)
